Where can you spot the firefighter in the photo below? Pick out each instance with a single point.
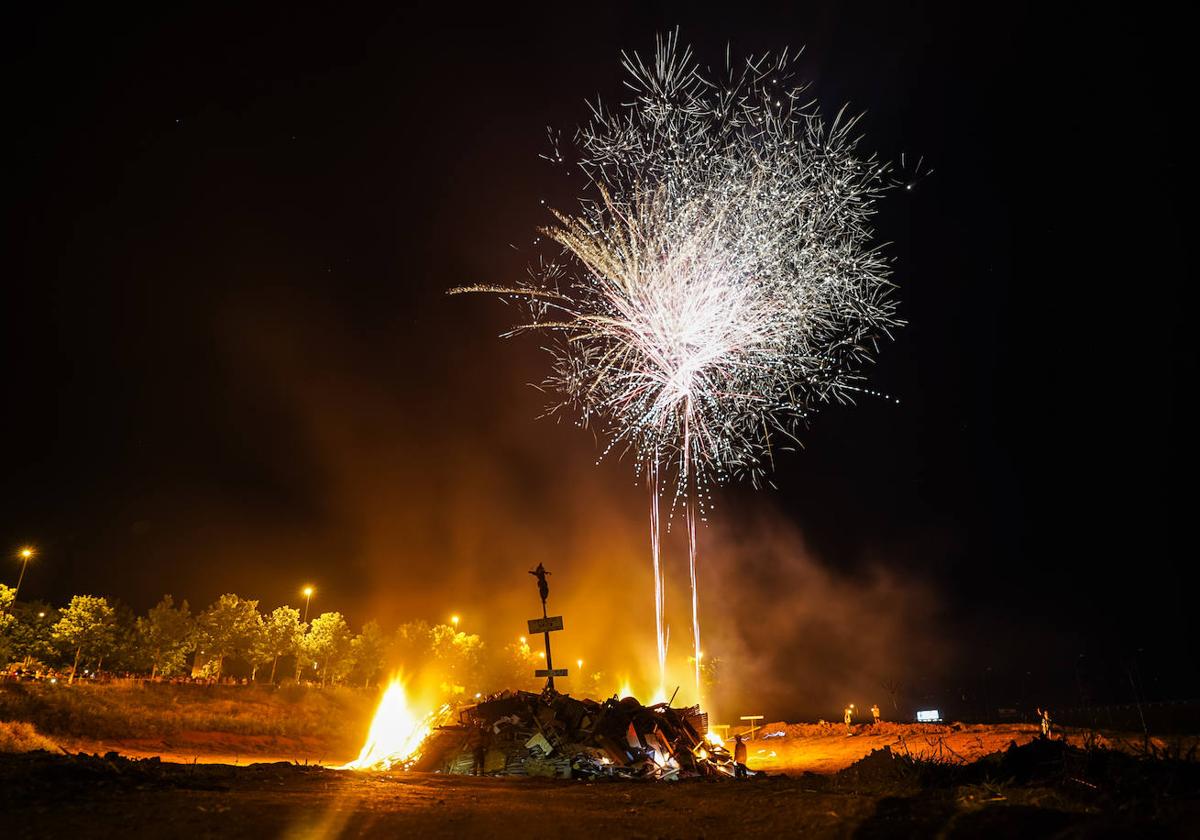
(847, 715)
(739, 757)
(875, 712)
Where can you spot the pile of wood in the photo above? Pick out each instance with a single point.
(556, 735)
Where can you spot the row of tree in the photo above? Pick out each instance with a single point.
(233, 636)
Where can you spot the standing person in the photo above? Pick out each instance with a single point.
(847, 715)
(739, 757)
(479, 748)
(875, 712)
(1045, 716)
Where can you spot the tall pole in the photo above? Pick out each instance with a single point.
(549, 659)
(307, 592)
(26, 553)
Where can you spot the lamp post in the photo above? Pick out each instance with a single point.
(26, 554)
(307, 592)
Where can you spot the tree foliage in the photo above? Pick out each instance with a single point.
(228, 628)
(367, 651)
(280, 636)
(7, 621)
(88, 627)
(167, 635)
(327, 646)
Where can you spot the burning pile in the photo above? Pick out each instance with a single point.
(397, 735)
(555, 735)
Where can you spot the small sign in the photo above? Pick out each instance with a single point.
(545, 625)
(557, 672)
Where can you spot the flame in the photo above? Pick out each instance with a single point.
(396, 733)
(660, 696)
(626, 690)
(715, 738)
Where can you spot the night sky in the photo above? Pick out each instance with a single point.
(230, 363)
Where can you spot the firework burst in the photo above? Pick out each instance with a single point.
(717, 284)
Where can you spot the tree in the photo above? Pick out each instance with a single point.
(30, 637)
(228, 628)
(281, 635)
(166, 635)
(127, 652)
(893, 688)
(8, 596)
(367, 652)
(87, 626)
(411, 645)
(328, 645)
(459, 657)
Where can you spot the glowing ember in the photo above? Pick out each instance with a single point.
(396, 733)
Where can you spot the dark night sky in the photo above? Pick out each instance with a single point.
(230, 364)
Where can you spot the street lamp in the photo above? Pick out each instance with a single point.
(307, 592)
(26, 554)
(454, 621)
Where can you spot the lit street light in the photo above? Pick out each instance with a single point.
(26, 554)
(454, 621)
(307, 592)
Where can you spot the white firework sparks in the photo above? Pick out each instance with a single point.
(719, 282)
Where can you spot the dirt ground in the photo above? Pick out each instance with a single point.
(47, 796)
(805, 748)
(810, 748)
(1043, 788)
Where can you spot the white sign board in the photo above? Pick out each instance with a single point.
(545, 625)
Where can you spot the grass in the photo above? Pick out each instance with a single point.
(18, 736)
(132, 709)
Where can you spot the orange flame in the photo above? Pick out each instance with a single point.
(396, 734)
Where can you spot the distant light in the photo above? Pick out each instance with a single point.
(41, 615)
(308, 591)
(26, 553)
(579, 662)
(929, 716)
(454, 620)
(542, 654)
(522, 640)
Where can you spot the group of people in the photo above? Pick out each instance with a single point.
(848, 716)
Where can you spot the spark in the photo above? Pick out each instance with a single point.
(717, 283)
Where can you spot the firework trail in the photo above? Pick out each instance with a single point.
(716, 284)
